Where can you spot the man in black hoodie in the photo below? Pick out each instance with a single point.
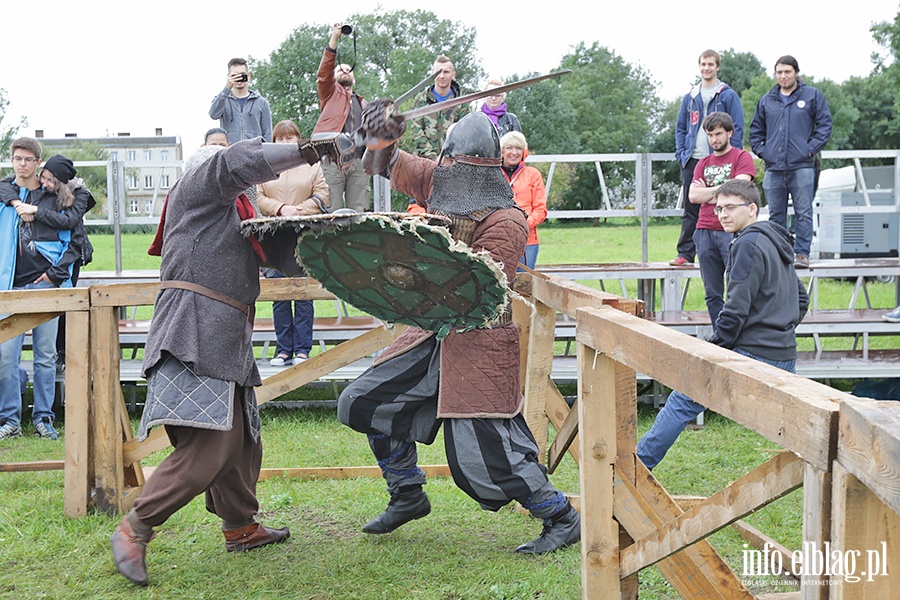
(764, 304)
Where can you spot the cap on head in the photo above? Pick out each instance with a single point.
(473, 140)
(61, 166)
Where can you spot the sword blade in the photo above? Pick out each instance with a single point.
(416, 88)
(437, 106)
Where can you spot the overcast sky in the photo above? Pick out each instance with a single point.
(98, 67)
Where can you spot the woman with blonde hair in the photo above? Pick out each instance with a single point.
(528, 186)
(297, 192)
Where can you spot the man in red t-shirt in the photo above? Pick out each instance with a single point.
(711, 241)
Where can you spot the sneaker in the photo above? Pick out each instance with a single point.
(679, 262)
(801, 262)
(10, 430)
(279, 360)
(892, 316)
(44, 429)
(299, 359)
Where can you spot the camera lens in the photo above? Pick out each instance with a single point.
(346, 29)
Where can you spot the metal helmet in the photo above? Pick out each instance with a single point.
(473, 140)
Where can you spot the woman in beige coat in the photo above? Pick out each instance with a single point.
(297, 192)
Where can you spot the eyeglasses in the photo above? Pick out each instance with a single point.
(729, 208)
(24, 159)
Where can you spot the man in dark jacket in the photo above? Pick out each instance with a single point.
(341, 109)
(469, 381)
(764, 304)
(199, 360)
(791, 125)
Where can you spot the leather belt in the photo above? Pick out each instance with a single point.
(247, 309)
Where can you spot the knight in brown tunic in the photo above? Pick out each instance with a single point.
(468, 381)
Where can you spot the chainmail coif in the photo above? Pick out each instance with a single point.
(463, 189)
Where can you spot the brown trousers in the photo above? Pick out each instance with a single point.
(223, 464)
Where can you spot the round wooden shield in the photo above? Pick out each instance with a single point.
(403, 268)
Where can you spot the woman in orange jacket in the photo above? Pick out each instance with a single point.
(528, 186)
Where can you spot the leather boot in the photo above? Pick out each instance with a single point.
(253, 536)
(403, 508)
(129, 552)
(560, 530)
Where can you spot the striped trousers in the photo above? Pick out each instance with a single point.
(494, 461)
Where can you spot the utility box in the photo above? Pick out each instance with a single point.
(867, 233)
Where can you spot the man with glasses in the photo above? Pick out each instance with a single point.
(711, 241)
(764, 304)
(36, 253)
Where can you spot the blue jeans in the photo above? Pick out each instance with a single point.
(678, 411)
(529, 259)
(293, 321)
(800, 183)
(713, 246)
(44, 348)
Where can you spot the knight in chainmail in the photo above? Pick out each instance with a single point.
(468, 381)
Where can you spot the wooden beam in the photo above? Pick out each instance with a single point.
(107, 397)
(134, 450)
(292, 288)
(760, 541)
(695, 572)
(123, 294)
(599, 531)
(816, 526)
(567, 296)
(537, 377)
(558, 411)
(37, 465)
(341, 355)
(53, 300)
(308, 473)
(865, 527)
(870, 446)
(15, 325)
(565, 435)
(768, 482)
(77, 483)
(792, 411)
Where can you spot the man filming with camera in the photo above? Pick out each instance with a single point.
(243, 113)
(341, 111)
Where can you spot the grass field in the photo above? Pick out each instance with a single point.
(457, 553)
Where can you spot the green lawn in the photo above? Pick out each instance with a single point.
(459, 552)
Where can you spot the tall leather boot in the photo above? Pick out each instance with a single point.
(253, 536)
(560, 530)
(129, 553)
(405, 506)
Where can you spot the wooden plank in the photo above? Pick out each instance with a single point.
(865, 527)
(568, 296)
(106, 434)
(16, 325)
(816, 525)
(292, 288)
(134, 450)
(641, 514)
(37, 465)
(566, 434)
(599, 530)
(626, 426)
(537, 378)
(794, 412)
(695, 572)
(339, 356)
(768, 482)
(521, 316)
(55, 300)
(308, 473)
(76, 479)
(869, 446)
(123, 294)
(557, 411)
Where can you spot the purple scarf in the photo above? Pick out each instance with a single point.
(494, 113)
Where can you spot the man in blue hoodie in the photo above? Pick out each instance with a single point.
(708, 96)
(241, 112)
(764, 304)
(790, 127)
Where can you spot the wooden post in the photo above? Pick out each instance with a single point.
(816, 526)
(77, 485)
(537, 378)
(599, 530)
(107, 432)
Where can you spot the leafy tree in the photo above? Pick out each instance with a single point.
(873, 97)
(393, 51)
(547, 119)
(614, 105)
(7, 134)
(739, 69)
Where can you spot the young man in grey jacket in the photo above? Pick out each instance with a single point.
(242, 112)
(764, 304)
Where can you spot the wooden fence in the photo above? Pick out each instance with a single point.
(843, 451)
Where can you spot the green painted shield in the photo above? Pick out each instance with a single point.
(402, 269)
